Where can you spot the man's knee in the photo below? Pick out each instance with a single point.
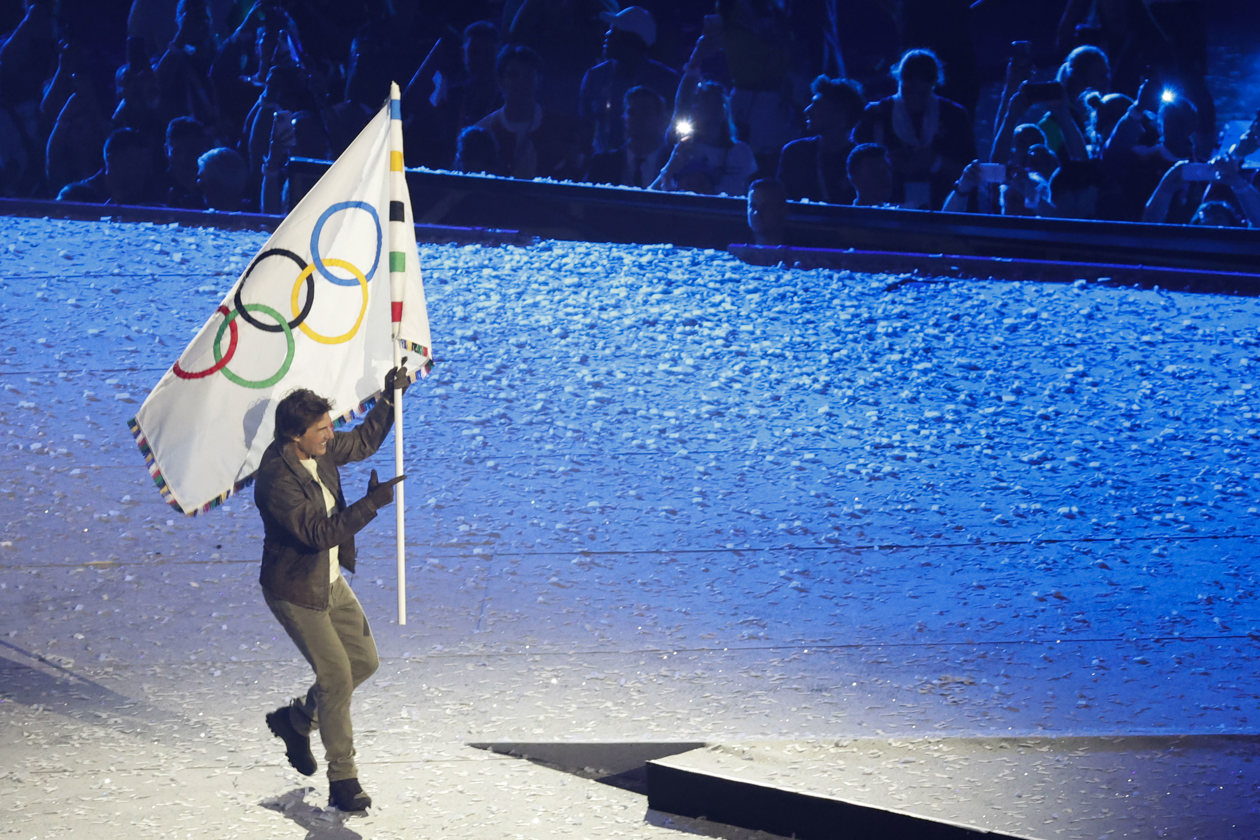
(365, 667)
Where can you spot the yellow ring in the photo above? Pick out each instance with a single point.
(297, 289)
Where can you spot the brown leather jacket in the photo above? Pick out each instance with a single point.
(297, 530)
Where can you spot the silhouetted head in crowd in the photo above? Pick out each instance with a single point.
(222, 176)
(870, 172)
(480, 44)
(476, 151)
(631, 32)
(1107, 111)
(835, 106)
(1085, 68)
(646, 118)
(195, 28)
(918, 74)
(186, 141)
(1178, 122)
(711, 120)
(129, 166)
(767, 211)
(1217, 214)
(1041, 160)
(517, 69)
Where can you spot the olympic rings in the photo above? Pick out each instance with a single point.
(306, 275)
(319, 227)
(218, 365)
(310, 291)
(284, 367)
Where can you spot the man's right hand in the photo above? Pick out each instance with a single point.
(380, 492)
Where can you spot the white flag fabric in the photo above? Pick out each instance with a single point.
(319, 307)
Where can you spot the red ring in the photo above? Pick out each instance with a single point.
(219, 365)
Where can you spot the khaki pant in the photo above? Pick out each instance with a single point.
(338, 644)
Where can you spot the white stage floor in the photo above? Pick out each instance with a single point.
(654, 495)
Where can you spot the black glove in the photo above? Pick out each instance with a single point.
(381, 493)
(396, 378)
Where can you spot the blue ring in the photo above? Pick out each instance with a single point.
(319, 226)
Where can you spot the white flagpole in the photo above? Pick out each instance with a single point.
(398, 254)
(399, 504)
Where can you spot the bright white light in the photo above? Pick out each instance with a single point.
(683, 128)
(1168, 95)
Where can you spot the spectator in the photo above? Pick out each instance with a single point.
(756, 40)
(152, 24)
(454, 88)
(299, 134)
(80, 131)
(183, 71)
(475, 92)
(567, 36)
(286, 103)
(186, 141)
(266, 37)
(642, 155)
(767, 211)
(1187, 191)
(708, 158)
(1011, 189)
(127, 176)
(28, 57)
(974, 192)
(222, 177)
(1047, 106)
(929, 138)
(814, 167)
(870, 42)
(532, 142)
(946, 28)
(1218, 214)
(1019, 69)
(384, 47)
(1162, 40)
(626, 64)
(871, 172)
(136, 92)
(1141, 149)
(1085, 76)
(1107, 111)
(476, 151)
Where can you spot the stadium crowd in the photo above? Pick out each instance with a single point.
(202, 103)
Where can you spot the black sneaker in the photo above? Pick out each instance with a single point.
(346, 795)
(297, 747)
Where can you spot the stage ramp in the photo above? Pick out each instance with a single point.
(944, 788)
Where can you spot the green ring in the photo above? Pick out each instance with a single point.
(289, 354)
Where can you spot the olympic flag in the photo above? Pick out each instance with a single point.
(321, 306)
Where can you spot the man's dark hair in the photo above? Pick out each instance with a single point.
(863, 152)
(297, 412)
(124, 139)
(845, 94)
(645, 94)
(527, 56)
(921, 64)
(481, 29)
(184, 128)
